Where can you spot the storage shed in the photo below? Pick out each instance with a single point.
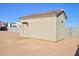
(45, 26)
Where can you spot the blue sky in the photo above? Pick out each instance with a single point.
(11, 12)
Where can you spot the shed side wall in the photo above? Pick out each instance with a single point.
(60, 27)
(42, 28)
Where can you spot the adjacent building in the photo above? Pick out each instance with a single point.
(14, 26)
(3, 26)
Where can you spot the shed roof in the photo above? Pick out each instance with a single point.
(45, 14)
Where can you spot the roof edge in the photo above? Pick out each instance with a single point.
(45, 14)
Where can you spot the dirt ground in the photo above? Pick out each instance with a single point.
(11, 44)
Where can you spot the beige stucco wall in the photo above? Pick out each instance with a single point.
(60, 27)
(42, 28)
(48, 28)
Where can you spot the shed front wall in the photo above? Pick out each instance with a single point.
(42, 28)
(60, 27)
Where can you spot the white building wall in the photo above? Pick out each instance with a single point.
(60, 27)
(42, 28)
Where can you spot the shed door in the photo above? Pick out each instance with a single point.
(25, 25)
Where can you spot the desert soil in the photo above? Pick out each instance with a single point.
(11, 44)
